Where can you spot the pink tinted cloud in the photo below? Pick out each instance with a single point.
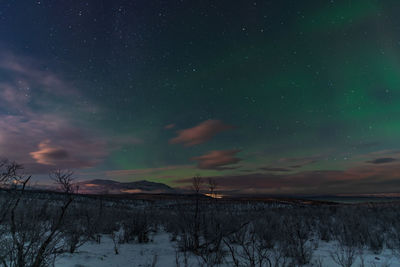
(49, 155)
(42, 142)
(200, 133)
(217, 160)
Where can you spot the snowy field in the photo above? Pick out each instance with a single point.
(81, 231)
(163, 253)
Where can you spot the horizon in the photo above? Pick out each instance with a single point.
(98, 187)
(263, 97)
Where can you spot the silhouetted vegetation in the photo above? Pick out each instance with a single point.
(37, 227)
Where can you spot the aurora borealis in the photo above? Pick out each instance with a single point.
(283, 97)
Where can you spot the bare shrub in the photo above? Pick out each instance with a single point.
(138, 227)
(246, 248)
(34, 226)
(296, 237)
(345, 252)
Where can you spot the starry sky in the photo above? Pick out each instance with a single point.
(280, 97)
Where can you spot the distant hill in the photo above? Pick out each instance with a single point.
(100, 186)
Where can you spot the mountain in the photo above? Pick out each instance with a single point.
(100, 186)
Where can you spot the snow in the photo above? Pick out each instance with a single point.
(386, 258)
(102, 255)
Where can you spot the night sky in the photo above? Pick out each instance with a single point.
(283, 97)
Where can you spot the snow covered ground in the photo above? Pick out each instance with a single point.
(163, 251)
(103, 255)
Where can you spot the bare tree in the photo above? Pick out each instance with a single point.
(196, 184)
(249, 249)
(344, 255)
(35, 237)
(345, 252)
(8, 171)
(65, 181)
(10, 177)
(115, 236)
(212, 185)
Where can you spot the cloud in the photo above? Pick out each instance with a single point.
(298, 162)
(382, 160)
(38, 123)
(48, 155)
(363, 179)
(303, 160)
(119, 174)
(296, 166)
(200, 133)
(42, 142)
(217, 160)
(29, 73)
(273, 183)
(27, 83)
(246, 170)
(275, 169)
